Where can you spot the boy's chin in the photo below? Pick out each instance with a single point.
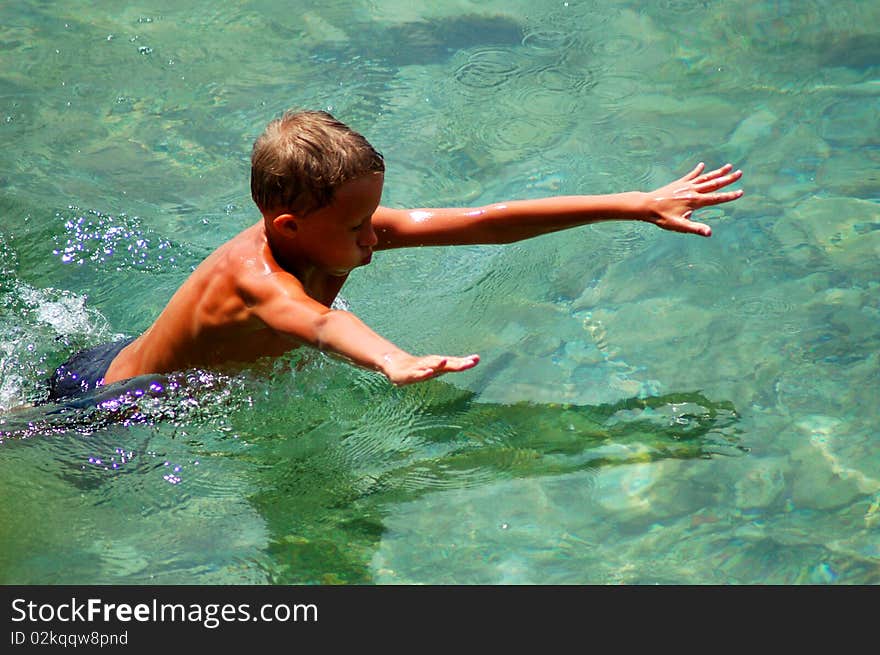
(342, 272)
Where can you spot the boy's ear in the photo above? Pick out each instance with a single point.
(286, 224)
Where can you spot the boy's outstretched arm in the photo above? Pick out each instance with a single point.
(669, 207)
(285, 307)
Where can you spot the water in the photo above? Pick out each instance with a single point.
(650, 407)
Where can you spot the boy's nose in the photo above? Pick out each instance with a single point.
(368, 237)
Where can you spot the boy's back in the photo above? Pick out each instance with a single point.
(212, 318)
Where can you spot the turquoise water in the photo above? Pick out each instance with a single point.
(650, 407)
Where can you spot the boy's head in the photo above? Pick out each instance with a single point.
(302, 158)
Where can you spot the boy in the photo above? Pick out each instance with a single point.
(318, 184)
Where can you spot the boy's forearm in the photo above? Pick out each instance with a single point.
(344, 334)
(669, 207)
(523, 219)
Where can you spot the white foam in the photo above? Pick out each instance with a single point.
(31, 324)
(65, 312)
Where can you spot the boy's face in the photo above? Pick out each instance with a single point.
(340, 237)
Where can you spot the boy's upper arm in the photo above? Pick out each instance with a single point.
(406, 228)
(391, 227)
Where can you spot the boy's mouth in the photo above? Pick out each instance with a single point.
(367, 258)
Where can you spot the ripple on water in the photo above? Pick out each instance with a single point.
(484, 291)
(699, 272)
(559, 78)
(546, 104)
(644, 144)
(390, 428)
(552, 93)
(423, 129)
(768, 307)
(487, 69)
(618, 241)
(138, 453)
(439, 476)
(643, 140)
(364, 88)
(548, 41)
(613, 46)
(484, 457)
(613, 91)
(437, 185)
(517, 135)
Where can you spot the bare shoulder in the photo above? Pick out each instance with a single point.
(254, 270)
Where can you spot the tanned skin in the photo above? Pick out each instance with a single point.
(269, 289)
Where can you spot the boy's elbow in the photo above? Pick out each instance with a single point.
(327, 325)
(501, 236)
(504, 237)
(322, 326)
(492, 233)
(494, 226)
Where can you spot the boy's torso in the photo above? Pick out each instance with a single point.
(212, 318)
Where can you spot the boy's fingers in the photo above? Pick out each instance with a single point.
(718, 198)
(687, 226)
(461, 363)
(435, 366)
(699, 228)
(696, 171)
(713, 174)
(718, 182)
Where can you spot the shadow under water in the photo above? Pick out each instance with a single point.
(423, 42)
(327, 490)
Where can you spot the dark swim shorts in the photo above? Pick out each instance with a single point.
(84, 371)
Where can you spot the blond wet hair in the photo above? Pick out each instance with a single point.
(303, 157)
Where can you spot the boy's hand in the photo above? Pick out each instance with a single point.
(671, 206)
(403, 368)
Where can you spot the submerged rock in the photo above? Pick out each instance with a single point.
(828, 464)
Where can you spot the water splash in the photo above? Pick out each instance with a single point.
(37, 324)
(120, 241)
(186, 398)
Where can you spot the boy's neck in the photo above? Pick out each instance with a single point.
(285, 260)
(320, 286)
